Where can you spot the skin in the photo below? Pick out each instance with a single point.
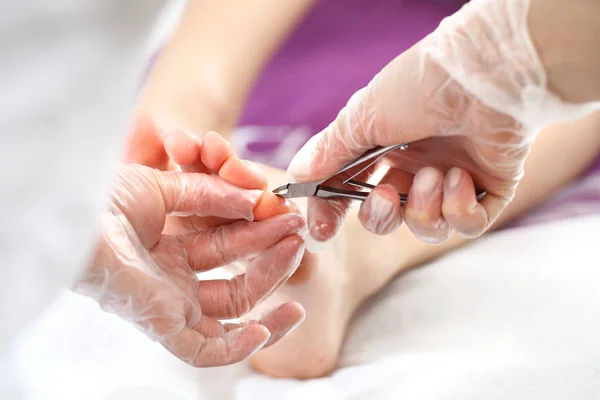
(572, 61)
(205, 89)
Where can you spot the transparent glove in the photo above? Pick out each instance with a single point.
(149, 277)
(470, 98)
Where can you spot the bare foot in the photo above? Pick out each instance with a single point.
(330, 286)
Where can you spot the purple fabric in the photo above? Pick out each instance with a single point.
(338, 48)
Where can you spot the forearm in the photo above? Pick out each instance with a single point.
(203, 75)
(565, 34)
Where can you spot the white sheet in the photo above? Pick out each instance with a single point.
(515, 316)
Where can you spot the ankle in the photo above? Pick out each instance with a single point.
(371, 260)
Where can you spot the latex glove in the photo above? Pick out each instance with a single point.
(149, 278)
(470, 98)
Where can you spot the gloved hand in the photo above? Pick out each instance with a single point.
(470, 98)
(149, 278)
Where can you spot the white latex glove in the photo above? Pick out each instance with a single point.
(470, 98)
(149, 278)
